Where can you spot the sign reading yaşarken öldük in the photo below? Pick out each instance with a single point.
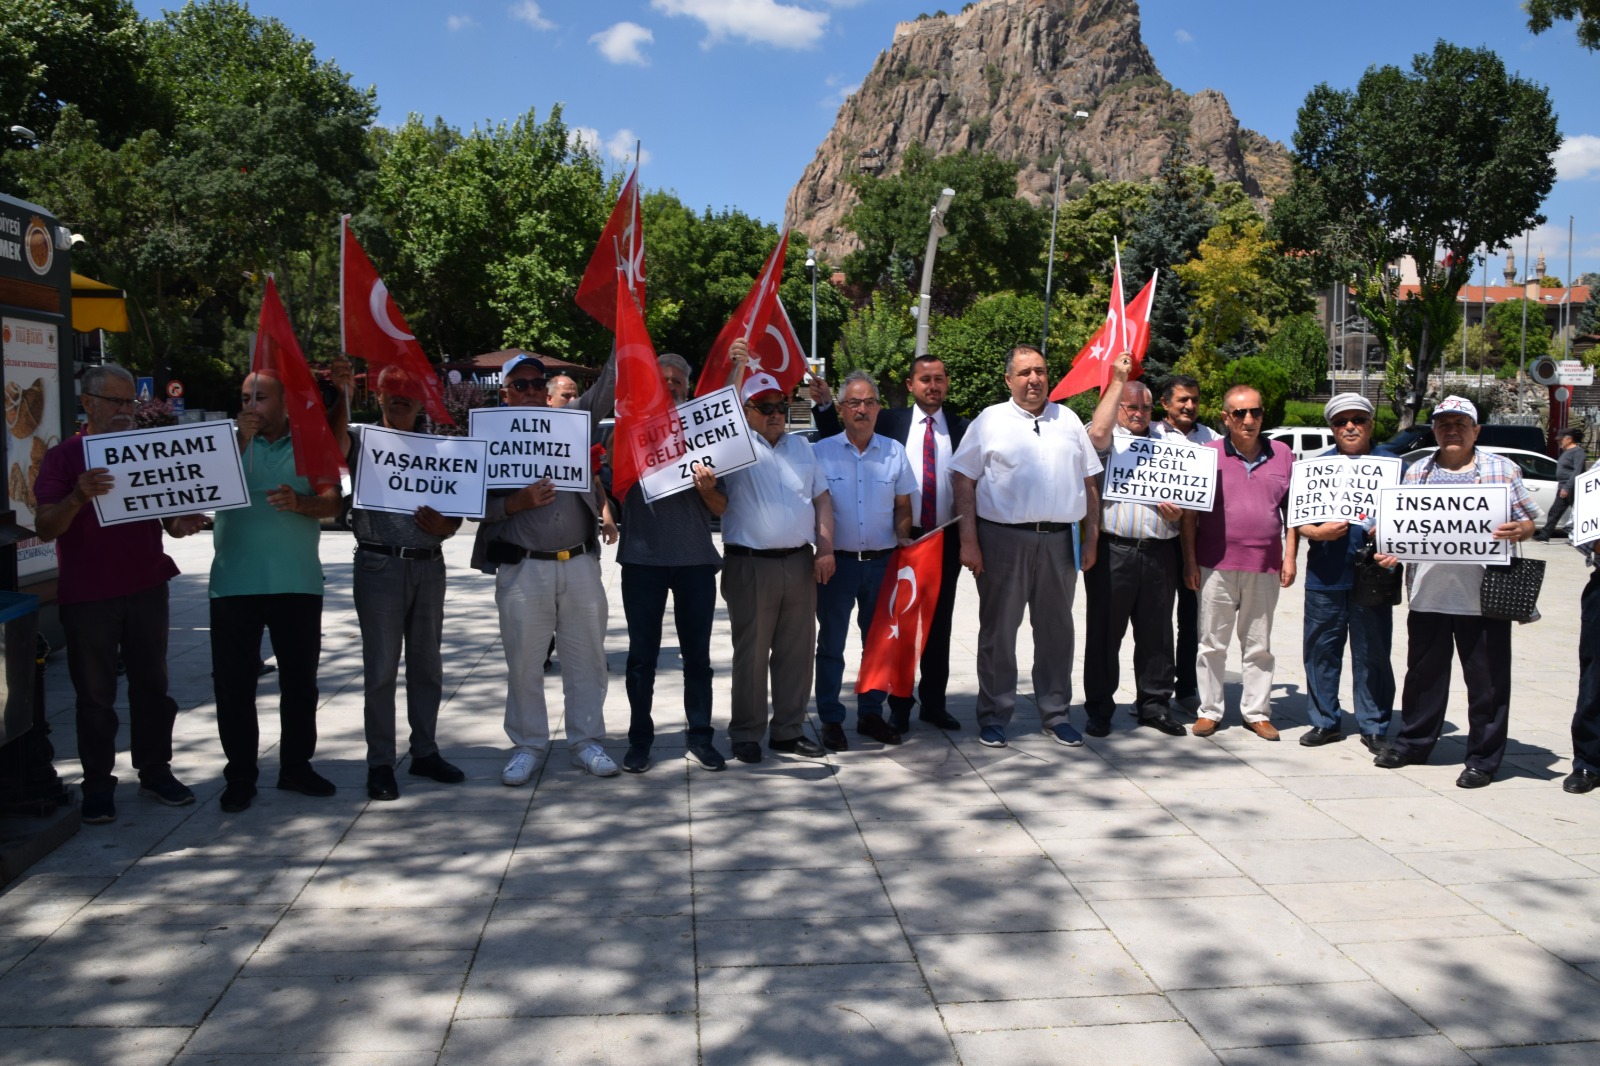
(400, 472)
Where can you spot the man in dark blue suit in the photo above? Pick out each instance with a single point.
(930, 435)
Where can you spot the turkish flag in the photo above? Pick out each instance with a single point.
(1137, 321)
(647, 424)
(1091, 367)
(749, 320)
(906, 603)
(371, 327)
(277, 354)
(777, 351)
(618, 256)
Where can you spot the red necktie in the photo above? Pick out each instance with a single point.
(930, 483)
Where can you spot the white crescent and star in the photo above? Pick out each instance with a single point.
(905, 575)
(378, 304)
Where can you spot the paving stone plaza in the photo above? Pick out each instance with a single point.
(1143, 899)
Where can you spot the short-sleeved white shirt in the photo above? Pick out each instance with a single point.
(1028, 469)
(769, 504)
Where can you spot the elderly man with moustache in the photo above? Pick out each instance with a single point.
(267, 575)
(398, 585)
(1331, 613)
(869, 485)
(1234, 557)
(930, 435)
(1024, 476)
(112, 591)
(773, 512)
(542, 548)
(667, 550)
(1134, 577)
(1180, 398)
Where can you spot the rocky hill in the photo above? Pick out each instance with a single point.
(1030, 81)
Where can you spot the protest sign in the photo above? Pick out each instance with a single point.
(399, 472)
(715, 434)
(1444, 523)
(1586, 508)
(167, 471)
(1148, 470)
(1339, 488)
(529, 444)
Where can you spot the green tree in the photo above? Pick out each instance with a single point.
(1542, 14)
(1432, 163)
(1266, 376)
(1227, 279)
(1166, 235)
(1301, 348)
(1085, 229)
(1506, 328)
(880, 338)
(973, 347)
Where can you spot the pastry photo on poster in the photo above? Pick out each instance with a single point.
(33, 425)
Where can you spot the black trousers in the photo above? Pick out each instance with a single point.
(295, 622)
(1484, 647)
(934, 667)
(1586, 718)
(1185, 683)
(1129, 582)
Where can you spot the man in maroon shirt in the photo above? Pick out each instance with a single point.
(113, 599)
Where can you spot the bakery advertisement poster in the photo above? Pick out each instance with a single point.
(33, 425)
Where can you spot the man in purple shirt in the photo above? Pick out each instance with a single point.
(113, 597)
(1234, 557)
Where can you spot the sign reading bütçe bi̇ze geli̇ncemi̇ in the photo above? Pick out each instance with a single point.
(166, 471)
(715, 434)
(1586, 507)
(1444, 523)
(400, 472)
(532, 444)
(1149, 470)
(1339, 488)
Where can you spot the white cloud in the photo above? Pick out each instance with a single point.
(620, 145)
(1578, 157)
(460, 22)
(841, 91)
(754, 21)
(585, 137)
(622, 43)
(528, 11)
(1184, 36)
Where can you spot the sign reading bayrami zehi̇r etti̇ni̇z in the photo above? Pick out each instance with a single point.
(167, 471)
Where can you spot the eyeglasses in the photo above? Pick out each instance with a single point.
(115, 400)
(856, 405)
(1242, 413)
(1349, 420)
(526, 385)
(776, 407)
(1137, 407)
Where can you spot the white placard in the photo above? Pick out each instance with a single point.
(399, 472)
(715, 434)
(1586, 507)
(1152, 470)
(167, 470)
(33, 417)
(1444, 523)
(1339, 488)
(529, 444)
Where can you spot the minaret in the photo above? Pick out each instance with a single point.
(1511, 267)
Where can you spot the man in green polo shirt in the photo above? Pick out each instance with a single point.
(266, 575)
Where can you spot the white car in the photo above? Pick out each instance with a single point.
(1538, 474)
(1303, 441)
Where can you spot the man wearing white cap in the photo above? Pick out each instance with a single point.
(1331, 615)
(772, 514)
(1446, 610)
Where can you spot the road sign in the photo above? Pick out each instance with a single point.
(145, 389)
(1573, 372)
(174, 388)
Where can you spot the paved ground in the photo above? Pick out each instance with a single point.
(1144, 899)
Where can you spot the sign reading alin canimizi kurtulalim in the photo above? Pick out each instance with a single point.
(167, 471)
(1148, 470)
(1444, 523)
(1339, 488)
(532, 444)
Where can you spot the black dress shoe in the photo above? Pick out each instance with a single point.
(1580, 781)
(306, 781)
(1165, 725)
(237, 796)
(940, 717)
(747, 751)
(900, 721)
(381, 784)
(1472, 777)
(873, 726)
(1317, 736)
(435, 768)
(833, 737)
(802, 746)
(1392, 759)
(1099, 727)
(1373, 741)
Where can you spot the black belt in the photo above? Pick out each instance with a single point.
(400, 553)
(762, 553)
(1146, 545)
(1033, 527)
(863, 557)
(559, 557)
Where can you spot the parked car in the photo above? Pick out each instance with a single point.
(1490, 435)
(1303, 441)
(1538, 472)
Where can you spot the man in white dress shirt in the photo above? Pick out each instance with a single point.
(1024, 475)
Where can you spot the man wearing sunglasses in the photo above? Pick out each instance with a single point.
(1234, 557)
(542, 548)
(1331, 615)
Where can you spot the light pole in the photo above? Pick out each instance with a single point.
(925, 300)
(1049, 263)
(811, 271)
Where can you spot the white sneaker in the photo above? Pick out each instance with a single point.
(519, 771)
(593, 758)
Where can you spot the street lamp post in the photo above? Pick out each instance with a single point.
(1050, 262)
(811, 272)
(925, 300)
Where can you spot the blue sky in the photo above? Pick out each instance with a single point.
(732, 97)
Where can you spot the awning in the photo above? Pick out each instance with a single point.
(96, 305)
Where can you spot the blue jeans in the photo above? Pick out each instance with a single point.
(644, 604)
(854, 585)
(1330, 615)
